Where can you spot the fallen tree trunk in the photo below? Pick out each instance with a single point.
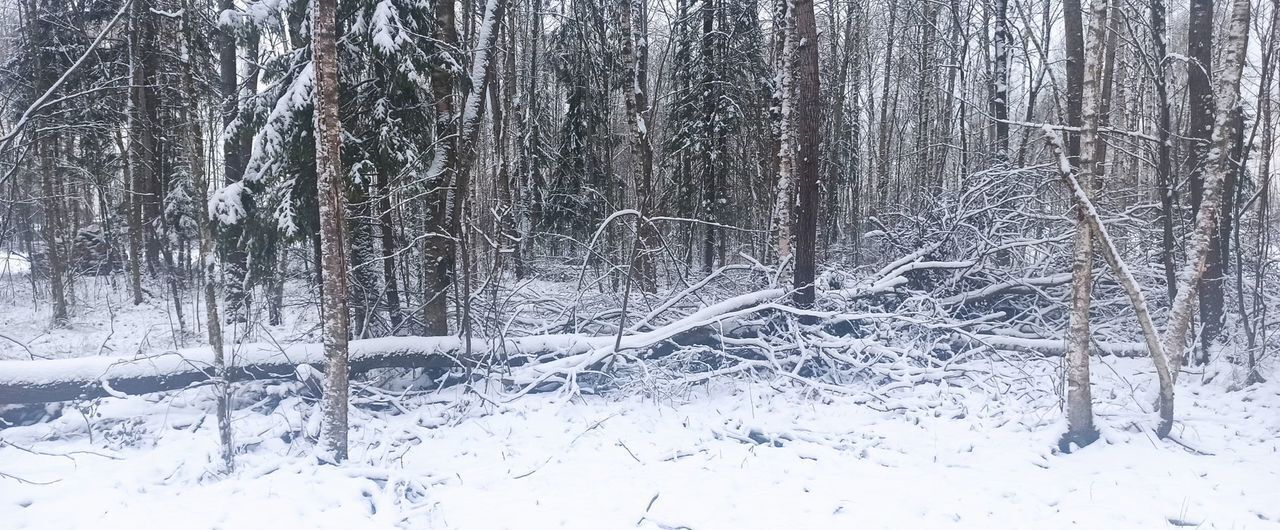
(1054, 347)
(55, 380)
(95, 377)
(1011, 286)
(542, 358)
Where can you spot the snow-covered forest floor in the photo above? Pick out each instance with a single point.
(732, 453)
(973, 452)
(741, 455)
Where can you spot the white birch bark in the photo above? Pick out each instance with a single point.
(1080, 428)
(333, 208)
(1167, 352)
(785, 191)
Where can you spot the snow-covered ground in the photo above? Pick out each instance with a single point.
(729, 455)
(732, 454)
(104, 321)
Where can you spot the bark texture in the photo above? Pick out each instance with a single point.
(808, 119)
(329, 181)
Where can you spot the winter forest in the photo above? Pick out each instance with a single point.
(658, 264)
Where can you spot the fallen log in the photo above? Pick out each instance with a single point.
(541, 358)
(94, 377)
(1017, 286)
(48, 381)
(1053, 347)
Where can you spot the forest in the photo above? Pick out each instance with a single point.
(390, 263)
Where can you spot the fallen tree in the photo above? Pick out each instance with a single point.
(966, 285)
(552, 358)
(95, 377)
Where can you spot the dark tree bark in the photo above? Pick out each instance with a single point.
(711, 147)
(1201, 109)
(147, 167)
(50, 200)
(836, 170)
(234, 257)
(528, 167)
(439, 254)
(884, 170)
(457, 133)
(1073, 23)
(807, 120)
(141, 143)
(501, 97)
(390, 248)
(635, 63)
(1164, 151)
(923, 101)
(858, 43)
(51, 204)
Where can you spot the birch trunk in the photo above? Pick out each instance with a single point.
(634, 46)
(329, 181)
(1167, 352)
(1080, 428)
(781, 217)
(1200, 246)
(1000, 84)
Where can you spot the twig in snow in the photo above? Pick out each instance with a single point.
(24, 346)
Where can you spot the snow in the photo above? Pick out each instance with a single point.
(650, 453)
(386, 27)
(269, 139)
(226, 205)
(487, 34)
(13, 263)
(948, 456)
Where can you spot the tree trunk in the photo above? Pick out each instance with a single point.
(1164, 154)
(49, 198)
(1080, 429)
(808, 118)
(386, 230)
(1168, 351)
(635, 63)
(235, 259)
(139, 151)
(857, 158)
(1268, 92)
(439, 253)
(51, 204)
(1002, 41)
(884, 170)
(785, 189)
(329, 179)
(1073, 24)
(1200, 99)
(711, 147)
(528, 170)
(196, 165)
